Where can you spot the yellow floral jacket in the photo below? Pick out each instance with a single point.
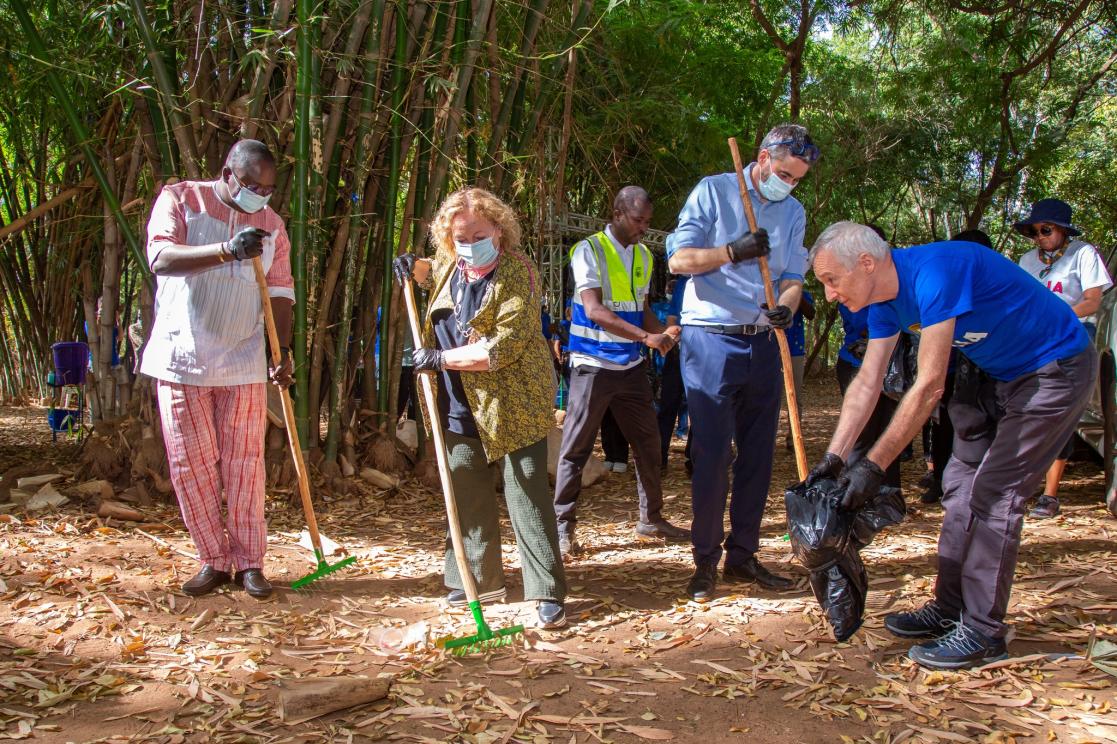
(513, 401)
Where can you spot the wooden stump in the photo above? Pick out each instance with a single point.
(304, 699)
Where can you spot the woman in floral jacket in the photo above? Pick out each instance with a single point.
(496, 390)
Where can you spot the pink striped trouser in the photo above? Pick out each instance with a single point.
(214, 437)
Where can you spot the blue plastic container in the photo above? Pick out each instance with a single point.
(70, 361)
(62, 419)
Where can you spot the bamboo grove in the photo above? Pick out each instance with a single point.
(937, 115)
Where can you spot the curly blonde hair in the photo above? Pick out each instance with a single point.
(482, 203)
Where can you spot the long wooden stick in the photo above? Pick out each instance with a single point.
(288, 413)
(781, 337)
(426, 383)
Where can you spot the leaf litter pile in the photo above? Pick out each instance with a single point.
(97, 642)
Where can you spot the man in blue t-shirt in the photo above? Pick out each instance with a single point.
(957, 295)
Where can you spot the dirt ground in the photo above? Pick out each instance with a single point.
(97, 643)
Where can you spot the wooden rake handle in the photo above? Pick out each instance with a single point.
(781, 337)
(288, 412)
(426, 382)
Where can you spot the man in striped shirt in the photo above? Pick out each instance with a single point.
(206, 353)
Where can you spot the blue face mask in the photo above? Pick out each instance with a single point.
(249, 201)
(481, 253)
(773, 188)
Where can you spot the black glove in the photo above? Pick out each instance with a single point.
(403, 267)
(829, 467)
(749, 245)
(860, 483)
(247, 243)
(780, 317)
(427, 360)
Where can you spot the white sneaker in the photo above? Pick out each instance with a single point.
(620, 467)
(609, 466)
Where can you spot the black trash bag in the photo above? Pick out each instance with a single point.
(827, 539)
(902, 367)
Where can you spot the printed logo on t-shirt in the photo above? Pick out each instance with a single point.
(968, 338)
(1057, 289)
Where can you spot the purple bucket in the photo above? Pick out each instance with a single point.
(70, 361)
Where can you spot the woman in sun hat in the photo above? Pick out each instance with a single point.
(1074, 271)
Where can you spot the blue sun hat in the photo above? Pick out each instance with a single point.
(1051, 211)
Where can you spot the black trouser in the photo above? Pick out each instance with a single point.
(670, 401)
(613, 442)
(874, 427)
(628, 395)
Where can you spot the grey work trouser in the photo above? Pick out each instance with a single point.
(984, 500)
(627, 394)
(528, 495)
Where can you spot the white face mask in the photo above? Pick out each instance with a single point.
(249, 201)
(773, 188)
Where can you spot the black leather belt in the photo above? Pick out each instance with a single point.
(735, 330)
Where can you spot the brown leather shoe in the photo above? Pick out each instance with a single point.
(253, 581)
(752, 571)
(205, 581)
(663, 530)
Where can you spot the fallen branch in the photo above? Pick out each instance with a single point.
(169, 546)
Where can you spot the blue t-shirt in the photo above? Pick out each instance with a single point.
(855, 325)
(1006, 322)
(796, 334)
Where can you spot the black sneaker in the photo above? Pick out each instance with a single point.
(456, 597)
(1046, 507)
(703, 583)
(928, 620)
(963, 648)
(932, 495)
(551, 614)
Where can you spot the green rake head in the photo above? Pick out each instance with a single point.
(323, 569)
(485, 639)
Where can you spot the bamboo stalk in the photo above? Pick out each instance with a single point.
(299, 210)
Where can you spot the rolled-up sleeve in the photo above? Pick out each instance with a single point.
(796, 252)
(280, 281)
(696, 220)
(166, 226)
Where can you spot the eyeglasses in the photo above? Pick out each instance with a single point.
(254, 188)
(805, 149)
(1034, 233)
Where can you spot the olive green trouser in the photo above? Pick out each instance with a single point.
(528, 495)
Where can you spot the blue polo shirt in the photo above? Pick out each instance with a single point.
(855, 326)
(796, 334)
(713, 216)
(1006, 322)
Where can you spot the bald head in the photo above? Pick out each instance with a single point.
(631, 198)
(247, 155)
(632, 214)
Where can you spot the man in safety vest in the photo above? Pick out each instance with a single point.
(611, 321)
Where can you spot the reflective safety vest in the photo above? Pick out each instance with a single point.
(622, 291)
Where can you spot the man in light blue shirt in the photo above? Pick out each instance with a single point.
(730, 358)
